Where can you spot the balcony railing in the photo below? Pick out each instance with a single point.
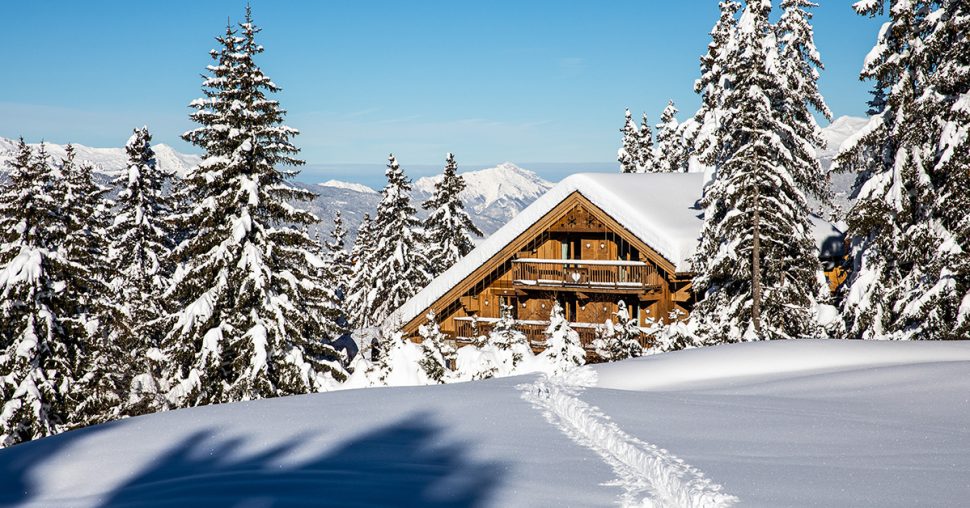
(535, 331)
(626, 276)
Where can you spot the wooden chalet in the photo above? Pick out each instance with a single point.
(589, 242)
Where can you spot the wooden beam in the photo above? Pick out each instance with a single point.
(683, 294)
(470, 303)
(578, 288)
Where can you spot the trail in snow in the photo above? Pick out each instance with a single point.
(650, 476)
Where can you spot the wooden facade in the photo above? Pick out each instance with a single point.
(575, 254)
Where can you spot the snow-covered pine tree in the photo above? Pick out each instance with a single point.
(674, 334)
(757, 262)
(39, 339)
(621, 339)
(646, 159)
(84, 212)
(506, 336)
(400, 267)
(947, 47)
(800, 63)
(563, 347)
(362, 277)
(102, 370)
(140, 246)
(394, 363)
(253, 309)
(629, 152)
(702, 140)
(339, 265)
(438, 353)
(671, 156)
(909, 225)
(448, 228)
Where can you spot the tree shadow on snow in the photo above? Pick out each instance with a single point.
(19, 463)
(398, 465)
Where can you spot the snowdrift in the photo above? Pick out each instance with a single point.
(793, 423)
(759, 362)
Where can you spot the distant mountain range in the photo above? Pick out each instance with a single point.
(108, 161)
(492, 196)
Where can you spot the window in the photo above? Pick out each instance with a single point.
(513, 305)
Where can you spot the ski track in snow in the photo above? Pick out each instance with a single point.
(650, 476)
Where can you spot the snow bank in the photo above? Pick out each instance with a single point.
(752, 362)
(814, 423)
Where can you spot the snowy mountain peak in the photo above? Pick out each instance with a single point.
(839, 130)
(485, 187)
(493, 195)
(358, 187)
(174, 162)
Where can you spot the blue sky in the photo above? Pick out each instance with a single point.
(497, 81)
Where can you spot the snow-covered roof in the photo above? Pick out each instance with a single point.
(658, 208)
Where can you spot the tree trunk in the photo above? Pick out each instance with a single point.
(756, 266)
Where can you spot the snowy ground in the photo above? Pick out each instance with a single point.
(794, 423)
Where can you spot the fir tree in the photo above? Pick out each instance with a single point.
(39, 339)
(448, 228)
(253, 308)
(391, 355)
(758, 263)
(362, 277)
(946, 50)
(646, 161)
(84, 213)
(506, 336)
(799, 98)
(563, 348)
(621, 338)
(338, 255)
(671, 155)
(438, 353)
(102, 370)
(339, 268)
(702, 140)
(400, 267)
(141, 243)
(629, 152)
(909, 225)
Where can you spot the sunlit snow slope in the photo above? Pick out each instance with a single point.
(787, 423)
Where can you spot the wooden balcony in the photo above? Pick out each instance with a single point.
(587, 275)
(535, 331)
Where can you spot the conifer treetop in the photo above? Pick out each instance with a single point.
(448, 228)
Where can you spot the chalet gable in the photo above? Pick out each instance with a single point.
(584, 203)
